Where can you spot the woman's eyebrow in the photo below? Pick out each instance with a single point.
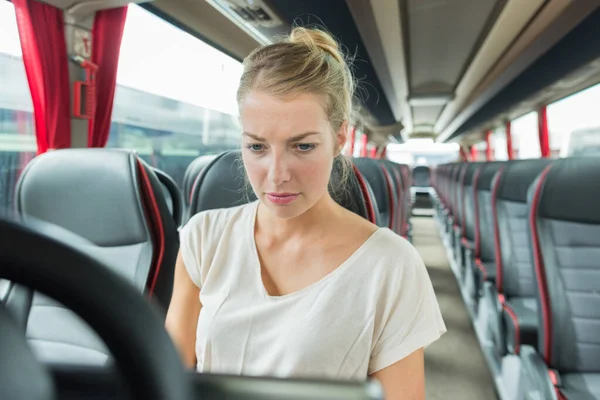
(292, 139)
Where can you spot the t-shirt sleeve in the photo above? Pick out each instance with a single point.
(410, 318)
(190, 245)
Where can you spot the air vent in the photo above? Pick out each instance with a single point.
(253, 12)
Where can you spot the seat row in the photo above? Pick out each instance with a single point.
(210, 182)
(127, 214)
(524, 239)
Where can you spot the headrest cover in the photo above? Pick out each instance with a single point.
(470, 172)
(72, 187)
(517, 177)
(571, 191)
(223, 185)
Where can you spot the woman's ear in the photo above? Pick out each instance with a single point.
(341, 137)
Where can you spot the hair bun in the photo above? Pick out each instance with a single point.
(317, 40)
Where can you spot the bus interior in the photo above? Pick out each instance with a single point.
(475, 135)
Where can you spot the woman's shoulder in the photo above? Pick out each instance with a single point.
(394, 260)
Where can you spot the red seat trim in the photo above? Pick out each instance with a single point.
(539, 267)
(156, 226)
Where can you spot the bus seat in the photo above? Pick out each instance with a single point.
(368, 196)
(483, 264)
(512, 301)
(467, 234)
(398, 194)
(421, 176)
(223, 185)
(392, 189)
(172, 195)
(565, 234)
(373, 173)
(113, 200)
(191, 175)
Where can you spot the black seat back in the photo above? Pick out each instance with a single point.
(514, 265)
(223, 184)
(459, 205)
(172, 195)
(394, 192)
(565, 230)
(114, 201)
(421, 176)
(486, 251)
(368, 196)
(373, 173)
(468, 200)
(191, 175)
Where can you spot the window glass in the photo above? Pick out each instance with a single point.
(525, 136)
(498, 141)
(574, 124)
(17, 133)
(176, 96)
(422, 152)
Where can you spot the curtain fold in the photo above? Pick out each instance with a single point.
(42, 36)
(107, 34)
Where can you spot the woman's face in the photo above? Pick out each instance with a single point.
(288, 150)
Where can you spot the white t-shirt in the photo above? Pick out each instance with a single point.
(373, 310)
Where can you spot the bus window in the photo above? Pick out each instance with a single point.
(525, 137)
(17, 130)
(574, 124)
(176, 96)
(498, 140)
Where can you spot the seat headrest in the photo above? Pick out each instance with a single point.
(72, 188)
(571, 190)
(191, 174)
(222, 184)
(470, 172)
(172, 194)
(487, 174)
(516, 178)
(373, 173)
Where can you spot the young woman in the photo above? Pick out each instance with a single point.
(294, 285)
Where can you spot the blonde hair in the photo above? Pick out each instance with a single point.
(307, 61)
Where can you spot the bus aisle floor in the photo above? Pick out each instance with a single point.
(455, 367)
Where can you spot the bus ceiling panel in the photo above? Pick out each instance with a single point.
(552, 25)
(576, 53)
(441, 39)
(371, 33)
(439, 51)
(202, 20)
(498, 49)
(335, 16)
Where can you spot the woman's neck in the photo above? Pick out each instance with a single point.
(316, 219)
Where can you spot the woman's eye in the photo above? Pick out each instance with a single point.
(305, 147)
(255, 147)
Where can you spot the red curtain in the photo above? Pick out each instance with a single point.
(42, 34)
(107, 33)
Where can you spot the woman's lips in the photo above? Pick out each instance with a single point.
(282, 198)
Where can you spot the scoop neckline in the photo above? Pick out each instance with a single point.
(257, 267)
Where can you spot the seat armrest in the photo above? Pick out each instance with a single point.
(490, 298)
(468, 244)
(535, 377)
